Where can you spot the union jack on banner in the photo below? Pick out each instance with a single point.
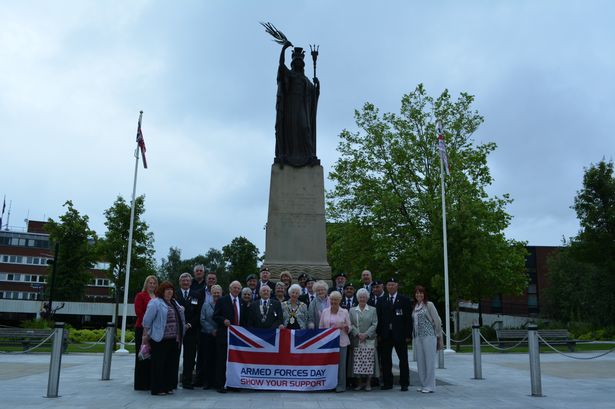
(141, 141)
(282, 359)
(442, 148)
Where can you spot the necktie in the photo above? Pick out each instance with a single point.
(311, 298)
(391, 299)
(235, 312)
(186, 294)
(265, 308)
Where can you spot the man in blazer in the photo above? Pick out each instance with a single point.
(377, 293)
(265, 312)
(309, 294)
(348, 297)
(229, 311)
(394, 331)
(264, 281)
(192, 302)
(340, 282)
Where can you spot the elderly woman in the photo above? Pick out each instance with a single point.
(363, 360)
(280, 292)
(427, 338)
(142, 299)
(337, 317)
(209, 330)
(163, 328)
(287, 279)
(295, 312)
(320, 302)
(246, 296)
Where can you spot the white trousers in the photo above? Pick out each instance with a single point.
(426, 354)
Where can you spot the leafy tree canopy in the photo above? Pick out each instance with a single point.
(76, 253)
(387, 200)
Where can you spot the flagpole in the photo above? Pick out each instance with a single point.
(123, 349)
(447, 307)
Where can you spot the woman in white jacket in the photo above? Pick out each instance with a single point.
(427, 338)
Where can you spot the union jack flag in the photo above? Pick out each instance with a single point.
(141, 141)
(282, 359)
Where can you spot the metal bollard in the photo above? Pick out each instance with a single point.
(56, 361)
(534, 348)
(109, 340)
(441, 359)
(478, 370)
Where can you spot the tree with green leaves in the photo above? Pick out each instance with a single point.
(582, 274)
(387, 187)
(241, 257)
(173, 266)
(114, 246)
(76, 254)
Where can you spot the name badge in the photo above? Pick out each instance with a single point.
(399, 312)
(194, 301)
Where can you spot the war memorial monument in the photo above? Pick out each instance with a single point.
(296, 230)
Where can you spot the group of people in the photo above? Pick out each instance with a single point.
(195, 316)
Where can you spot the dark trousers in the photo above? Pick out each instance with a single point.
(191, 340)
(142, 368)
(221, 359)
(164, 365)
(200, 359)
(401, 348)
(209, 355)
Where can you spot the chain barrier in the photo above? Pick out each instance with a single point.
(503, 349)
(90, 346)
(457, 341)
(575, 357)
(29, 349)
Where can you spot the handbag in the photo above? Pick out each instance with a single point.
(363, 362)
(145, 352)
(439, 341)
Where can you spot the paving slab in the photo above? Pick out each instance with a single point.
(566, 383)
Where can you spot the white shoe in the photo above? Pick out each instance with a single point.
(419, 389)
(426, 390)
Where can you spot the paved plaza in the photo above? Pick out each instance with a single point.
(566, 383)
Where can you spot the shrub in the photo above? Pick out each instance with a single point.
(35, 324)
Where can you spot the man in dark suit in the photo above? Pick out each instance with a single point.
(229, 311)
(348, 298)
(366, 281)
(339, 283)
(264, 280)
(265, 312)
(309, 294)
(377, 293)
(251, 281)
(394, 331)
(192, 302)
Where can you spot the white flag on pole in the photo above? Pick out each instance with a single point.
(442, 148)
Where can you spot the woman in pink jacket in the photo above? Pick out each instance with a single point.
(337, 317)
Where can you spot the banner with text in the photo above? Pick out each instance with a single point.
(282, 359)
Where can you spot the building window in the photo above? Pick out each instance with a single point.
(496, 304)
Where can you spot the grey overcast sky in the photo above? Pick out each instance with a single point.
(74, 75)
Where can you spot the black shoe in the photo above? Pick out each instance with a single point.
(186, 386)
(385, 388)
(404, 389)
(206, 386)
(221, 390)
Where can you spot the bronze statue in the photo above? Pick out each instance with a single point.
(296, 103)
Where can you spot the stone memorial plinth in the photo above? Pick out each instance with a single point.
(296, 231)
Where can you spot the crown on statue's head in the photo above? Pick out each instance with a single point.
(298, 53)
